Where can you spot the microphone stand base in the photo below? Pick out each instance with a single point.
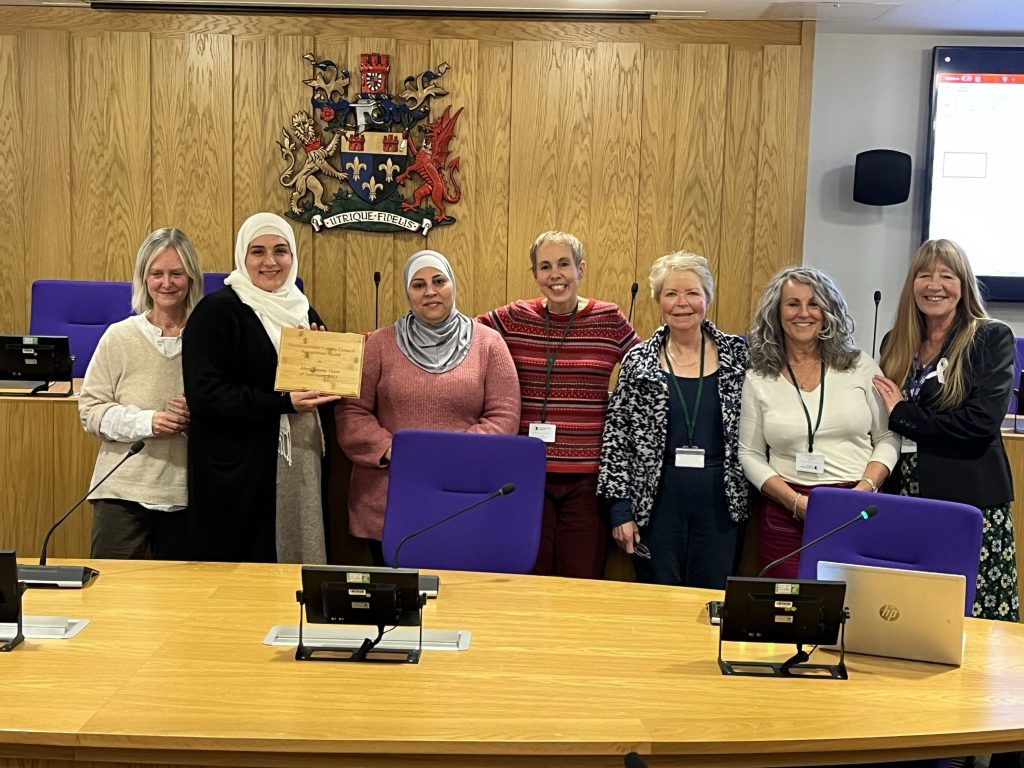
(63, 576)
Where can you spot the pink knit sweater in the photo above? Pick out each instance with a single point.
(481, 394)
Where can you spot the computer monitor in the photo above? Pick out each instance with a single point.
(35, 358)
(361, 595)
(798, 611)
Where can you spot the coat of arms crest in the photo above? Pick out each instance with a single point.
(367, 149)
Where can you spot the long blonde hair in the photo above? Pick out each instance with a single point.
(907, 334)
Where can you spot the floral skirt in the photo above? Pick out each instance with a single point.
(996, 596)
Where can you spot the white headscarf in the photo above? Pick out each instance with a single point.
(287, 306)
(439, 347)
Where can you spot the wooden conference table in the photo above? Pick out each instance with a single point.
(172, 671)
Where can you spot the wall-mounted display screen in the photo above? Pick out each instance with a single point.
(975, 184)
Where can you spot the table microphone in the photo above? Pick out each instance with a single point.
(376, 300)
(874, 332)
(76, 576)
(865, 514)
(632, 299)
(505, 490)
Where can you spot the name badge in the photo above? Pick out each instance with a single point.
(810, 462)
(907, 445)
(543, 430)
(690, 457)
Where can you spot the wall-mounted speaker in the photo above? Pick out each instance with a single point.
(881, 177)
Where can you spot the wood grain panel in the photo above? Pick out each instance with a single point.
(659, 189)
(534, 184)
(44, 60)
(774, 244)
(700, 135)
(458, 242)
(192, 140)
(14, 291)
(1015, 453)
(615, 194)
(662, 32)
(736, 294)
(110, 159)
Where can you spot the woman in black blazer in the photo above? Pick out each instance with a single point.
(955, 364)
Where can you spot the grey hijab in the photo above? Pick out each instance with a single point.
(435, 348)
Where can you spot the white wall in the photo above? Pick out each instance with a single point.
(870, 92)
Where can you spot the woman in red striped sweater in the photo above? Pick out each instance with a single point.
(565, 347)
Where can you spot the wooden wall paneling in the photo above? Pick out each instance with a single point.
(490, 224)
(267, 90)
(615, 180)
(664, 32)
(1014, 444)
(535, 187)
(192, 139)
(802, 134)
(110, 155)
(367, 252)
(700, 137)
(774, 245)
(457, 241)
(73, 458)
(736, 294)
(15, 290)
(44, 73)
(656, 232)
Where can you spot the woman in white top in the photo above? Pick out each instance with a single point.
(810, 415)
(133, 390)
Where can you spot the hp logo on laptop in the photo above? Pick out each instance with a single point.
(889, 612)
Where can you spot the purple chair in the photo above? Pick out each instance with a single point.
(79, 309)
(214, 281)
(909, 533)
(434, 474)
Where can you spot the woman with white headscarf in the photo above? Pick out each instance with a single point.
(433, 369)
(254, 454)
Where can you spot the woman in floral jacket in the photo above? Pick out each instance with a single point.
(669, 462)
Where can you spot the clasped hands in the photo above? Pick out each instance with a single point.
(173, 419)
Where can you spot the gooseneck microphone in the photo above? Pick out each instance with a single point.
(632, 299)
(376, 300)
(874, 332)
(865, 514)
(505, 490)
(76, 576)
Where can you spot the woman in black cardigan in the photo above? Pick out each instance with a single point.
(955, 365)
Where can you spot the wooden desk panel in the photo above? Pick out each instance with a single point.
(561, 672)
(1015, 453)
(47, 465)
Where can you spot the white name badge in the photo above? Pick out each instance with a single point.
(690, 457)
(810, 462)
(907, 445)
(543, 430)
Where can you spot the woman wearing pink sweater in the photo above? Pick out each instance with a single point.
(433, 369)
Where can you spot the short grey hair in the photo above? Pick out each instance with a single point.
(560, 238)
(767, 340)
(682, 261)
(155, 242)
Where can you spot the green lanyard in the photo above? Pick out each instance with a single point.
(691, 420)
(807, 414)
(552, 356)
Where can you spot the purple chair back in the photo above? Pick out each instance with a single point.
(79, 309)
(214, 281)
(909, 533)
(434, 474)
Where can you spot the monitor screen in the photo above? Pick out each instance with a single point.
(799, 611)
(361, 595)
(976, 162)
(35, 358)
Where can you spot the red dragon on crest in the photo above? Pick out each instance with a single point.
(430, 162)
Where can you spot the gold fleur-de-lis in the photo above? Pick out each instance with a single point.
(372, 187)
(356, 165)
(389, 169)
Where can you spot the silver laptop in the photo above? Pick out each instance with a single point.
(902, 614)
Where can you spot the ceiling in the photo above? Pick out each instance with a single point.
(980, 17)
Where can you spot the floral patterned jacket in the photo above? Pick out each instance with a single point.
(636, 427)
